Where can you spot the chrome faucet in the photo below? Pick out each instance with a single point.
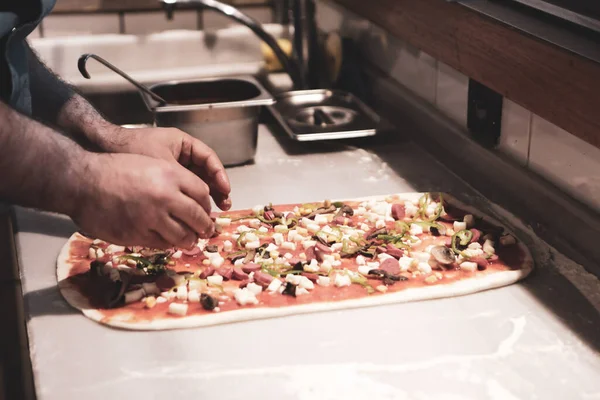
(301, 67)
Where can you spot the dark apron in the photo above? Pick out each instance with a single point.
(16, 23)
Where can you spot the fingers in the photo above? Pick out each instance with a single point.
(196, 189)
(191, 214)
(210, 168)
(154, 240)
(176, 233)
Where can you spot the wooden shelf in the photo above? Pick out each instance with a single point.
(550, 81)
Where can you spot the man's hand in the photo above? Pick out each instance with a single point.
(171, 144)
(136, 200)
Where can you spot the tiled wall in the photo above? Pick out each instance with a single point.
(563, 159)
(140, 23)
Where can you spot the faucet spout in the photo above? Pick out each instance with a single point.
(290, 67)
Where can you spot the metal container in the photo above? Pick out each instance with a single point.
(221, 112)
(322, 114)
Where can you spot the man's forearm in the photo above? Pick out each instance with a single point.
(39, 167)
(56, 103)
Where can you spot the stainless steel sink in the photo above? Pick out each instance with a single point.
(321, 114)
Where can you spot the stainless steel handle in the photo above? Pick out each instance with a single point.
(81, 64)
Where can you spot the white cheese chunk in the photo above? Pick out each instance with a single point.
(380, 224)
(278, 238)
(274, 285)
(150, 288)
(177, 254)
(326, 266)
(360, 260)
(327, 229)
(410, 210)
(252, 245)
(239, 262)
(301, 231)
(342, 280)
(288, 246)
(227, 245)
(182, 292)
(161, 300)
(306, 283)
(300, 291)
(459, 226)
(263, 229)
(424, 268)
(293, 279)
(288, 256)
(215, 280)
(323, 281)
(420, 256)
(474, 246)
(97, 242)
(312, 227)
(308, 243)
(336, 263)
(328, 257)
(178, 309)
(337, 246)
(223, 221)
(217, 261)
(271, 247)
(280, 228)
(321, 219)
(244, 297)
(416, 229)
(257, 209)
(488, 247)
(195, 284)
(254, 223)
(364, 269)
(99, 253)
(473, 252)
(406, 263)
(113, 248)
(305, 221)
(373, 264)
(313, 266)
(360, 211)
(254, 288)
(243, 228)
(194, 296)
(381, 288)
(134, 295)
(92, 253)
(468, 266)
(383, 256)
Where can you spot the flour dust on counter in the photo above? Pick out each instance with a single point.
(287, 259)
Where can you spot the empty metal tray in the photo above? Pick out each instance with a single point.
(322, 114)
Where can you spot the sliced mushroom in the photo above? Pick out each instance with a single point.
(249, 256)
(443, 255)
(212, 248)
(118, 293)
(321, 210)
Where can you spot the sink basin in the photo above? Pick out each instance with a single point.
(159, 57)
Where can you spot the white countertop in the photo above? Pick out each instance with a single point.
(537, 339)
